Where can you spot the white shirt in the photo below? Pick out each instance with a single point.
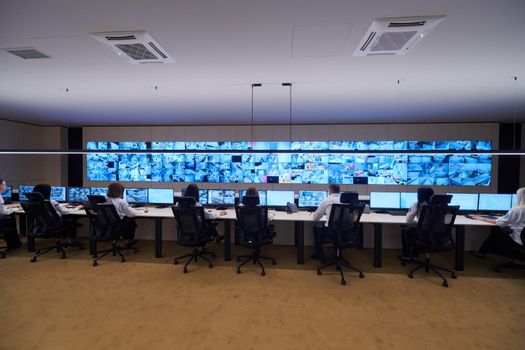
(123, 208)
(208, 215)
(4, 210)
(325, 207)
(515, 218)
(412, 214)
(61, 210)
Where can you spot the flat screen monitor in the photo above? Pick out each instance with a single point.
(136, 195)
(160, 195)
(99, 191)
(203, 196)
(221, 197)
(279, 198)
(58, 193)
(262, 196)
(7, 194)
(494, 202)
(466, 201)
(385, 200)
(514, 200)
(311, 198)
(407, 199)
(22, 190)
(78, 194)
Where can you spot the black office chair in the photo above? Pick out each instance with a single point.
(517, 254)
(433, 234)
(96, 199)
(343, 232)
(106, 225)
(253, 232)
(192, 231)
(46, 223)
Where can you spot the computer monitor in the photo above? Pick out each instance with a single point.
(466, 201)
(407, 199)
(160, 195)
(78, 194)
(22, 190)
(203, 196)
(310, 199)
(99, 191)
(279, 198)
(58, 193)
(385, 200)
(262, 196)
(136, 195)
(494, 202)
(514, 200)
(7, 194)
(221, 197)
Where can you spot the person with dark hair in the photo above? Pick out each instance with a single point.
(124, 210)
(408, 234)
(252, 192)
(193, 191)
(45, 191)
(323, 209)
(8, 222)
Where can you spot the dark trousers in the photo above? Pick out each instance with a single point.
(499, 242)
(9, 231)
(320, 232)
(128, 228)
(408, 242)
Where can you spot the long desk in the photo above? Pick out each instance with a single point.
(299, 219)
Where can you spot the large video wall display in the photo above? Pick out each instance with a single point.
(299, 167)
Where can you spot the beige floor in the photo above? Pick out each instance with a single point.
(149, 303)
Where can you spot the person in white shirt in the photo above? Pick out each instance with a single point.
(8, 222)
(408, 234)
(511, 224)
(124, 210)
(324, 209)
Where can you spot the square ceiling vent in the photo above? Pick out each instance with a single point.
(27, 53)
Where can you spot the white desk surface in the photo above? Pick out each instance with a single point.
(371, 218)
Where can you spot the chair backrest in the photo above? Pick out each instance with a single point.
(251, 201)
(186, 202)
(43, 217)
(349, 197)
(343, 224)
(105, 221)
(435, 225)
(96, 198)
(190, 223)
(252, 224)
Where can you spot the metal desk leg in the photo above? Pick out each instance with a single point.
(227, 241)
(299, 238)
(30, 243)
(378, 245)
(459, 263)
(361, 236)
(92, 242)
(158, 237)
(22, 225)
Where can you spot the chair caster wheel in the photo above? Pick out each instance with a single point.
(176, 262)
(319, 272)
(453, 275)
(274, 262)
(238, 259)
(95, 263)
(213, 255)
(445, 284)
(210, 266)
(135, 250)
(122, 260)
(496, 269)
(361, 275)
(185, 270)
(33, 259)
(263, 273)
(343, 282)
(238, 270)
(3, 256)
(63, 257)
(410, 275)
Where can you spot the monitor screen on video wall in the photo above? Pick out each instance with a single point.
(303, 168)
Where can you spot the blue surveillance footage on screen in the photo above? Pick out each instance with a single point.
(78, 194)
(7, 194)
(262, 196)
(22, 190)
(301, 168)
(136, 195)
(99, 191)
(311, 198)
(221, 197)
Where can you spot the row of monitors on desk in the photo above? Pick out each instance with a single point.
(466, 201)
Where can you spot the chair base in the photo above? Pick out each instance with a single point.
(194, 256)
(115, 249)
(255, 257)
(434, 268)
(510, 265)
(59, 247)
(340, 264)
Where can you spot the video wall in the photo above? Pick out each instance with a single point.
(303, 168)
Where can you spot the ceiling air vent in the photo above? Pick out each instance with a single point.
(27, 53)
(138, 47)
(395, 36)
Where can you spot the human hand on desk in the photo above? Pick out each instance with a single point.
(480, 218)
(222, 213)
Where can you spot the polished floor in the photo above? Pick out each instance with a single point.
(148, 303)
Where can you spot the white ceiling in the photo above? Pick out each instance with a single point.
(462, 71)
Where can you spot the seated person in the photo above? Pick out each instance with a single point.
(511, 224)
(8, 222)
(124, 210)
(408, 234)
(252, 192)
(324, 209)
